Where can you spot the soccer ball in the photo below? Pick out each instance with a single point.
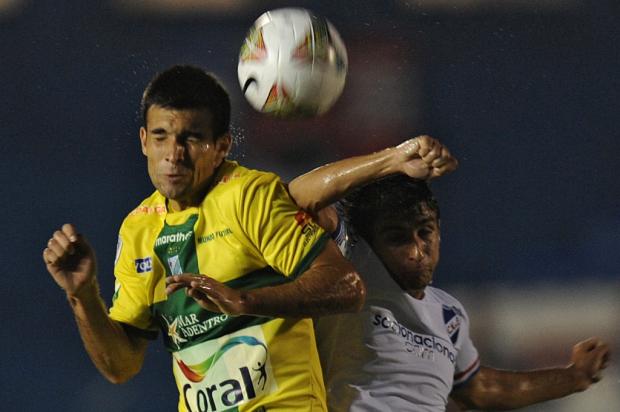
(292, 63)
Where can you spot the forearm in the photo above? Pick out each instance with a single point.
(115, 354)
(326, 184)
(503, 390)
(321, 290)
(305, 300)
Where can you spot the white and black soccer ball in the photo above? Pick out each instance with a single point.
(292, 63)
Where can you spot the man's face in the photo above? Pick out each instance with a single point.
(182, 153)
(409, 249)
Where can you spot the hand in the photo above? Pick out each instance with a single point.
(70, 260)
(588, 359)
(424, 157)
(209, 293)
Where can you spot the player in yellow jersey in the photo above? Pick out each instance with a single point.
(218, 258)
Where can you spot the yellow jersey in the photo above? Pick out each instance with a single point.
(246, 233)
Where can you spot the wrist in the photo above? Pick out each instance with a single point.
(247, 303)
(86, 293)
(402, 154)
(579, 379)
(392, 159)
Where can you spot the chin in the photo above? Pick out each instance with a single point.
(172, 193)
(421, 281)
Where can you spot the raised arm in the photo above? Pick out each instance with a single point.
(422, 157)
(71, 261)
(503, 390)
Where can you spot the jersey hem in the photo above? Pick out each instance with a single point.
(143, 333)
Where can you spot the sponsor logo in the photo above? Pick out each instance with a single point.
(423, 346)
(215, 235)
(229, 372)
(302, 218)
(148, 210)
(173, 238)
(308, 228)
(144, 265)
(228, 178)
(182, 327)
(453, 322)
(173, 331)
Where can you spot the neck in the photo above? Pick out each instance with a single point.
(178, 205)
(416, 293)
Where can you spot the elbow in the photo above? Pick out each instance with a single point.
(119, 373)
(298, 194)
(358, 288)
(345, 296)
(118, 377)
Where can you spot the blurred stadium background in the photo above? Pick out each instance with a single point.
(526, 93)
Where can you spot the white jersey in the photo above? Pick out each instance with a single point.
(399, 353)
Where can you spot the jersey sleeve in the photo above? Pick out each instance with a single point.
(130, 303)
(342, 234)
(467, 360)
(286, 237)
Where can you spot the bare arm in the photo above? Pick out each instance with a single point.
(422, 157)
(503, 390)
(71, 262)
(331, 285)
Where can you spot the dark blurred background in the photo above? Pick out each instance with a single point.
(525, 93)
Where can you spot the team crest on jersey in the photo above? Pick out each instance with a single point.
(175, 265)
(452, 319)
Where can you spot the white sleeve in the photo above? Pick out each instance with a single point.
(467, 360)
(342, 235)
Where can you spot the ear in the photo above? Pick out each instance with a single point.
(143, 140)
(223, 144)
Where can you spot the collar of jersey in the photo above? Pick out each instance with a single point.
(180, 217)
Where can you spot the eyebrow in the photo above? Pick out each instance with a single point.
(184, 133)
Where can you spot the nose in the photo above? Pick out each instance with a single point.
(418, 249)
(175, 151)
(415, 252)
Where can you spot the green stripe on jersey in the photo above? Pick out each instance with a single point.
(183, 321)
(316, 250)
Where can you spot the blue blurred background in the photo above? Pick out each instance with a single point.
(525, 93)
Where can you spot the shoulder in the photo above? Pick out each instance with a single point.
(443, 297)
(241, 194)
(150, 210)
(236, 178)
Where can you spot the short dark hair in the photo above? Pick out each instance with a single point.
(189, 87)
(396, 197)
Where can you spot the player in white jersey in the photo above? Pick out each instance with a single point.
(409, 349)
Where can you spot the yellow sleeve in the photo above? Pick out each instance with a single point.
(286, 236)
(130, 303)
